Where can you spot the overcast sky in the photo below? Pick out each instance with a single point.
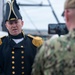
(40, 17)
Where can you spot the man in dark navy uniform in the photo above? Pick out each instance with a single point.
(17, 51)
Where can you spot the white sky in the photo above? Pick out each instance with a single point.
(40, 17)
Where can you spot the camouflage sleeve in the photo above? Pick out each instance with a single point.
(56, 57)
(45, 59)
(38, 62)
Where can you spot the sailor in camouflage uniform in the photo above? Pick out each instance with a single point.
(57, 56)
(17, 50)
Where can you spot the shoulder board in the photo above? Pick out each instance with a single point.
(1, 39)
(37, 41)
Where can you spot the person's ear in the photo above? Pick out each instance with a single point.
(66, 14)
(6, 25)
(22, 23)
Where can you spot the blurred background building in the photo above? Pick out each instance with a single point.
(37, 15)
(1, 13)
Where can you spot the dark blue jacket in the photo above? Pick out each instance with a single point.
(16, 59)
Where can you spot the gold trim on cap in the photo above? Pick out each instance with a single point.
(13, 10)
(10, 9)
(13, 19)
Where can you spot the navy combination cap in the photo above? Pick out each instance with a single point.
(12, 11)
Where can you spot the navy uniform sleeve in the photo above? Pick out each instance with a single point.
(1, 58)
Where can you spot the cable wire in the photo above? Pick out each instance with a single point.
(53, 11)
(31, 1)
(32, 22)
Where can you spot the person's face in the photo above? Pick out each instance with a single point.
(14, 27)
(70, 18)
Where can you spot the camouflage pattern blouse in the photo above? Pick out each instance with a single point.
(56, 56)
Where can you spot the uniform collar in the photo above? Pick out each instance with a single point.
(19, 36)
(72, 33)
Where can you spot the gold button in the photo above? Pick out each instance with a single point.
(21, 46)
(22, 52)
(22, 57)
(22, 72)
(22, 62)
(13, 72)
(13, 52)
(22, 67)
(13, 62)
(13, 67)
(13, 57)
